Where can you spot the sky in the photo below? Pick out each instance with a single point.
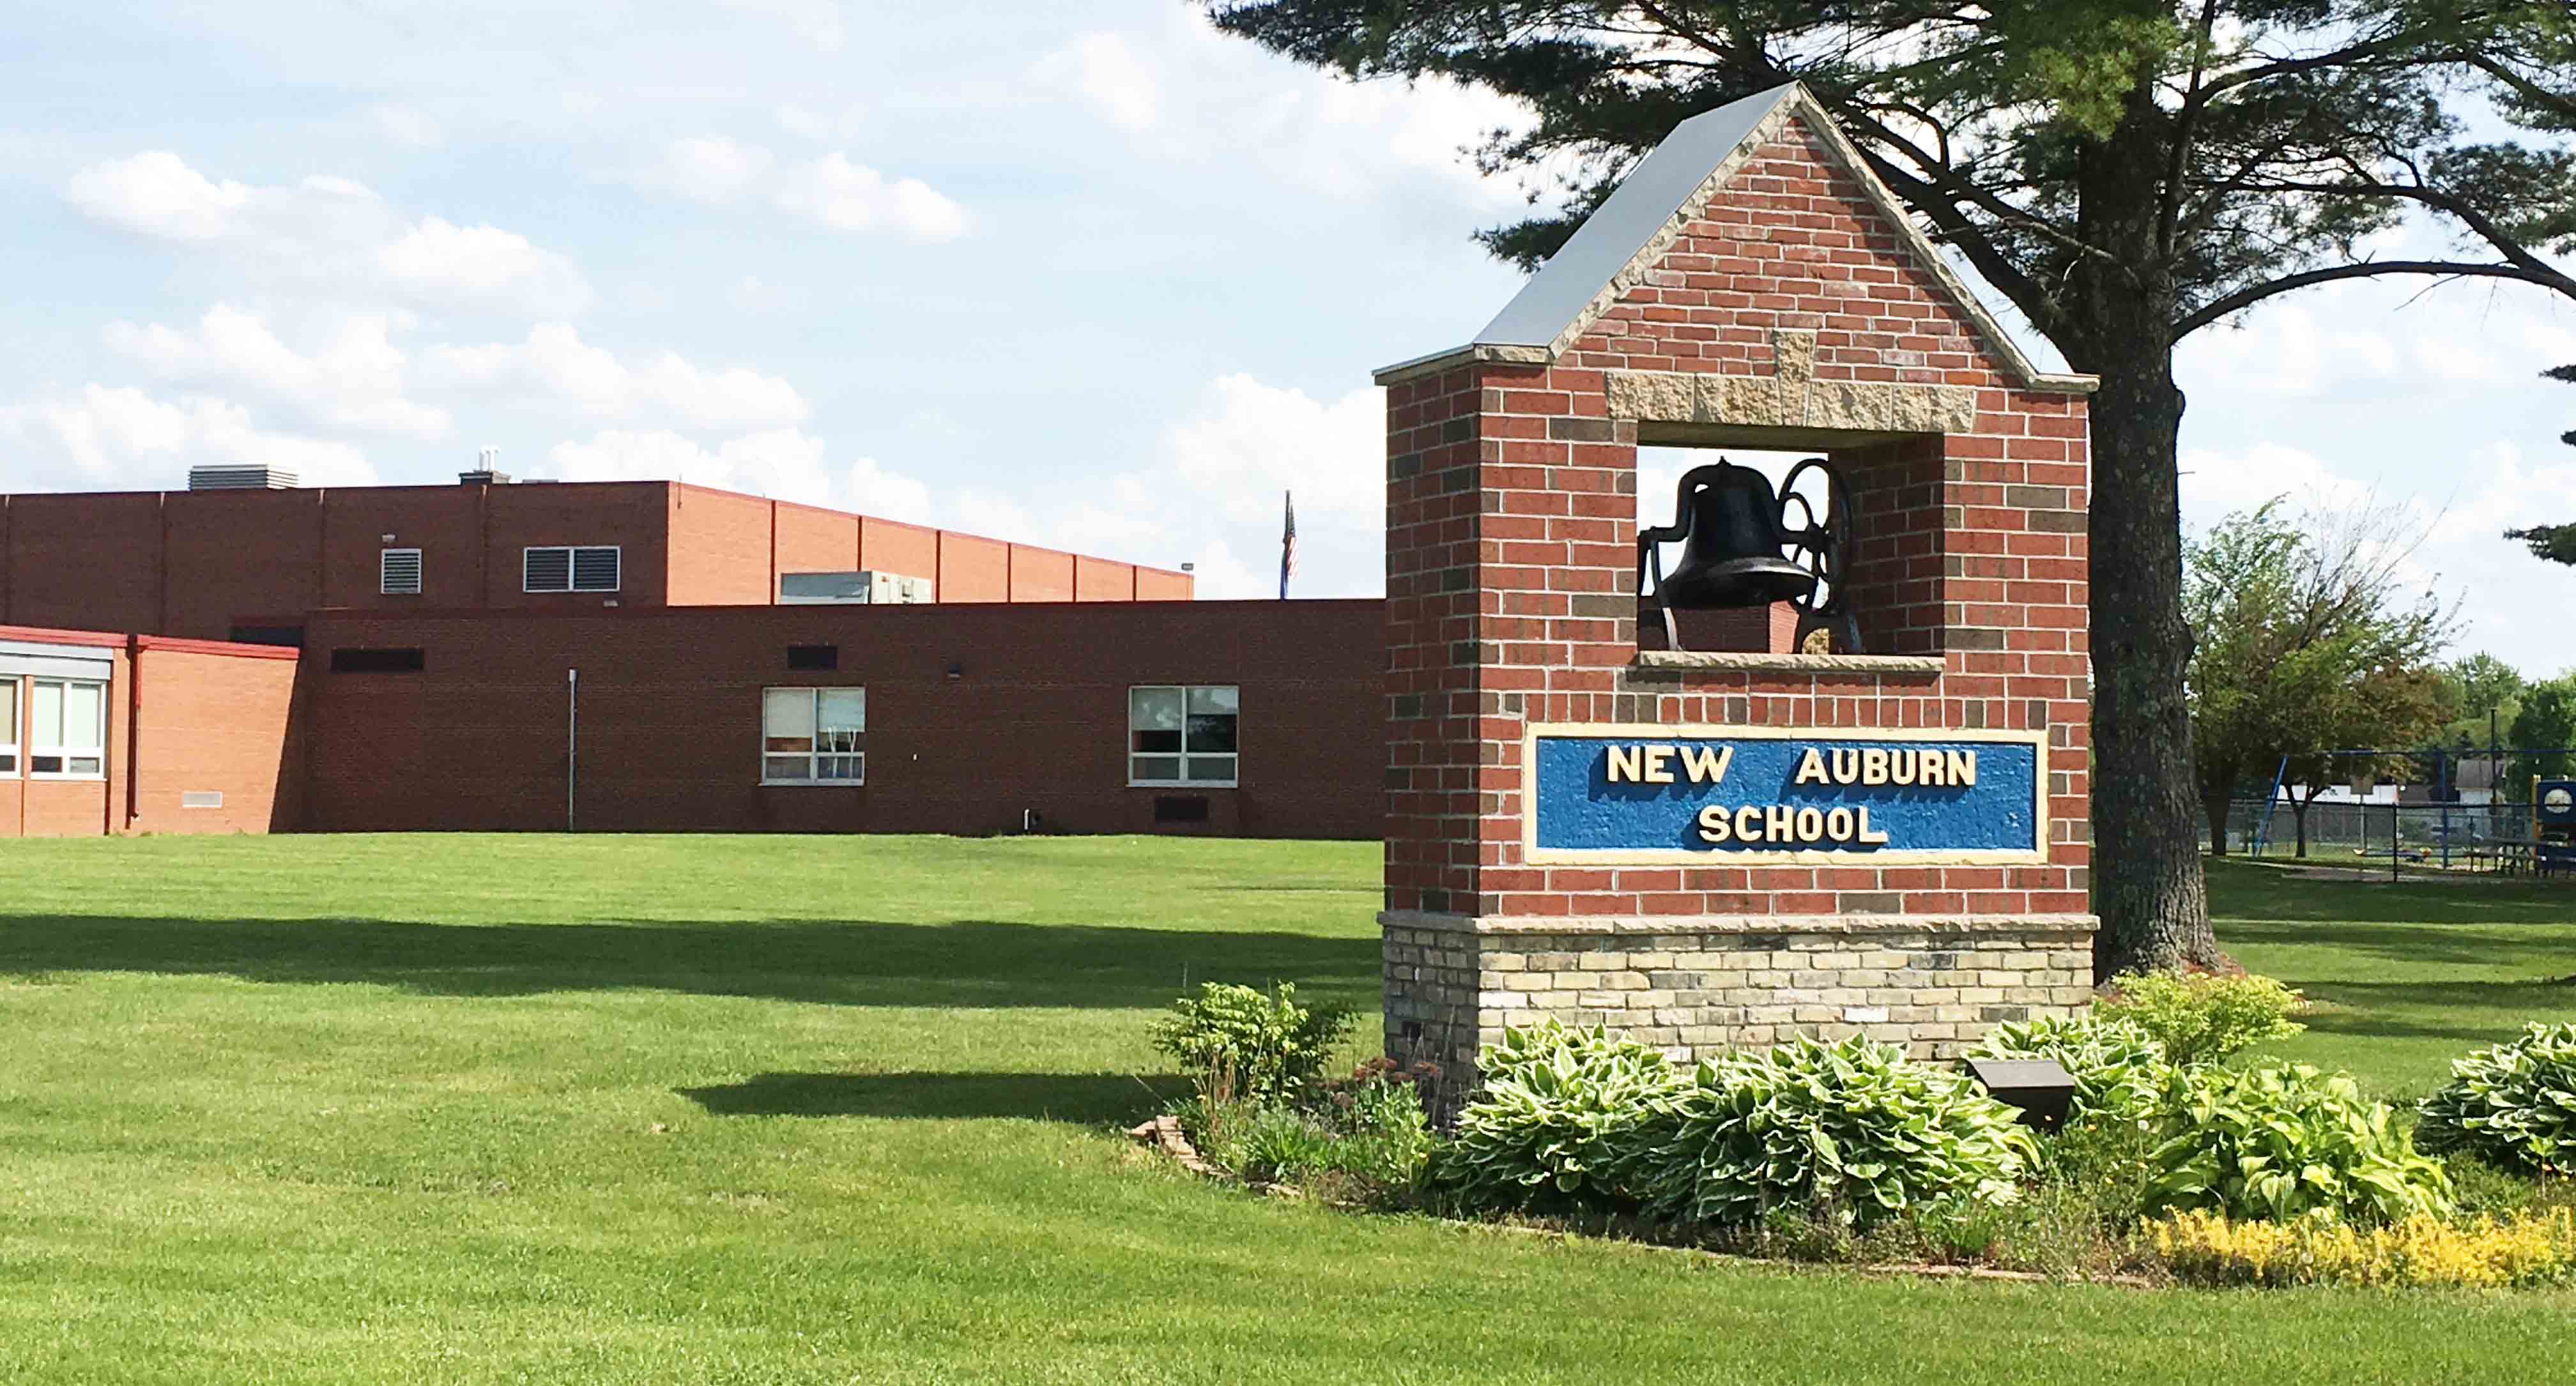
(1092, 276)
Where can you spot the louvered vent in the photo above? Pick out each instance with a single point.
(398, 571)
(594, 570)
(201, 798)
(549, 570)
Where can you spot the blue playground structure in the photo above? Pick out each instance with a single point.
(2443, 831)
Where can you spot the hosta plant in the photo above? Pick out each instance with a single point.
(1555, 1121)
(2202, 1018)
(2513, 1104)
(1854, 1130)
(2117, 1067)
(2285, 1142)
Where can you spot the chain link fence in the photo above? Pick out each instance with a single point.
(2386, 839)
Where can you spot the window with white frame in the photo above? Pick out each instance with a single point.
(9, 726)
(1182, 734)
(398, 573)
(66, 729)
(813, 735)
(577, 568)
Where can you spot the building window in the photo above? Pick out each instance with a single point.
(8, 726)
(398, 573)
(1182, 734)
(813, 735)
(66, 730)
(561, 569)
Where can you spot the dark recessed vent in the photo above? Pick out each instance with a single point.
(1180, 808)
(290, 636)
(813, 656)
(349, 660)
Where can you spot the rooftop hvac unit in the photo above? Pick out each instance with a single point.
(240, 479)
(865, 587)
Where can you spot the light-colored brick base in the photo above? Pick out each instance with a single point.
(1700, 985)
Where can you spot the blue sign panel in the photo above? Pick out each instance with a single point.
(1661, 794)
(2554, 801)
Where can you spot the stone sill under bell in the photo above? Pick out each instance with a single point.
(1754, 662)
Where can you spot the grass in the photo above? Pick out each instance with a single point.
(482, 1109)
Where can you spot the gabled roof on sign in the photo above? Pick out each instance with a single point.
(1615, 246)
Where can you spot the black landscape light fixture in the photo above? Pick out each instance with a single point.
(956, 672)
(2038, 1088)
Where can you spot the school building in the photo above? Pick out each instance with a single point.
(646, 656)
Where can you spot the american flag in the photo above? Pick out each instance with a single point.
(1288, 545)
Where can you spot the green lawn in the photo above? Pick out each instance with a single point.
(466, 1109)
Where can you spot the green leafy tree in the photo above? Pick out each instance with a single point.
(2546, 723)
(2307, 642)
(2557, 543)
(2126, 172)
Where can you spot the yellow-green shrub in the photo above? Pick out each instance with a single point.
(2524, 1249)
(2200, 1018)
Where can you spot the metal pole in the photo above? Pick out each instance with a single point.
(2392, 841)
(572, 741)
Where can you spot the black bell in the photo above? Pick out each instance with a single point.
(1731, 538)
(1739, 549)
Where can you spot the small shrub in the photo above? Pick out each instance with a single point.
(1854, 1128)
(2525, 1249)
(1272, 1045)
(2512, 1103)
(1278, 1145)
(2283, 1142)
(2117, 1066)
(2202, 1018)
(1555, 1120)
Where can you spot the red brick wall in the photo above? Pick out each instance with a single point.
(1099, 580)
(721, 547)
(670, 718)
(973, 569)
(444, 522)
(1161, 585)
(197, 564)
(208, 717)
(815, 541)
(890, 546)
(31, 807)
(84, 562)
(196, 715)
(1511, 552)
(1040, 575)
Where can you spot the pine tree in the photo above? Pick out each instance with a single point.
(2126, 172)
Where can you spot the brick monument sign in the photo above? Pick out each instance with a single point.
(1795, 830)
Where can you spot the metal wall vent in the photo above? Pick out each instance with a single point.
(398, 573)
(201, 798)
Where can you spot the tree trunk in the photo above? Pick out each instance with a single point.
(2217, 811)
(2299, 816)
(2148, 886)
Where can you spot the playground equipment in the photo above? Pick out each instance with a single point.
(2441, 830)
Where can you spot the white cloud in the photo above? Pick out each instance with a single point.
(124, 438)
(327, 232)
(554, 362)
(824, 126)
(708, 168)
(354, 378)
(851, 197)
(783, 463)
(157, 194)
(816, 21)
(2517, 606)
(405, 125)
(438, 258)
(1249, 441)
(1103, 72)
(1185, 93)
